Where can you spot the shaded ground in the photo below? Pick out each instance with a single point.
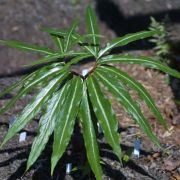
(21, 20)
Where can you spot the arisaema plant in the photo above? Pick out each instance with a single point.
(67, 96)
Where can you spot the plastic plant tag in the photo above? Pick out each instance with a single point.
(68, 168)
(11, 121)
(22, 136)
(137, 146)
(84, 72)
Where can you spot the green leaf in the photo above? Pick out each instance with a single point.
(46, 59)
(29, 85)
(77, 59)
(47, 124)
(122, 41)
(15, 85)
(27, 47)
(125, 78)
(89, 135)
(92, 28)
(78, 38)
(66, 120)
(124, 98)
(68, 38)
(54, 31)
(105, 115)
(34, 107)
(145, 61)
(59, 41)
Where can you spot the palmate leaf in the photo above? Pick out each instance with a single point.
(125, 78)
(92, 27)
(47, 124)
(105, 115)
(34, 107)
(122, 41)
(89, 135)
(66, 120)
(29, 85)
(124, 98)
(145, 61)
(27, 47)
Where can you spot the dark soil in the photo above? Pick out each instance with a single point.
(21, 20)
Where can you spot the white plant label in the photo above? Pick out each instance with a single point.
(22, 136)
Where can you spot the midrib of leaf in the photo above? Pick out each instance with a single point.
(140, 60)
(25, 46)
(93, 31)
(104, 114)
(69, 36)
(121, 39)
(70, 107)
(91, 139)
(58, 42)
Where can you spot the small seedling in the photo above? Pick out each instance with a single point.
(68, 96)
(161, 41)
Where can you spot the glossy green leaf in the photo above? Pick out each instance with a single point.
(89, 135)
(76, 37)
(122, 41)
(66, 120)
(125, 78)
(68, 38)
(15, 85)
(59, 41)
(34, 107)
(29, 85)
(46, 59)
(55, 31)
(47, 124)
(145, 61)
(124, 98)
(27, 47)
(77, 59)
(92, 28)
(105, 115)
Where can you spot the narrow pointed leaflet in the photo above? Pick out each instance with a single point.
(92, 28)
(122, 41)
(89, 135)
(145, 61)
(105, 115)
(65, 123)
(27, 47)
(124, 98)
(125, 78)
(68, 37)
(59, 41)
(47, 124)
(29, 85)
(34, 107)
